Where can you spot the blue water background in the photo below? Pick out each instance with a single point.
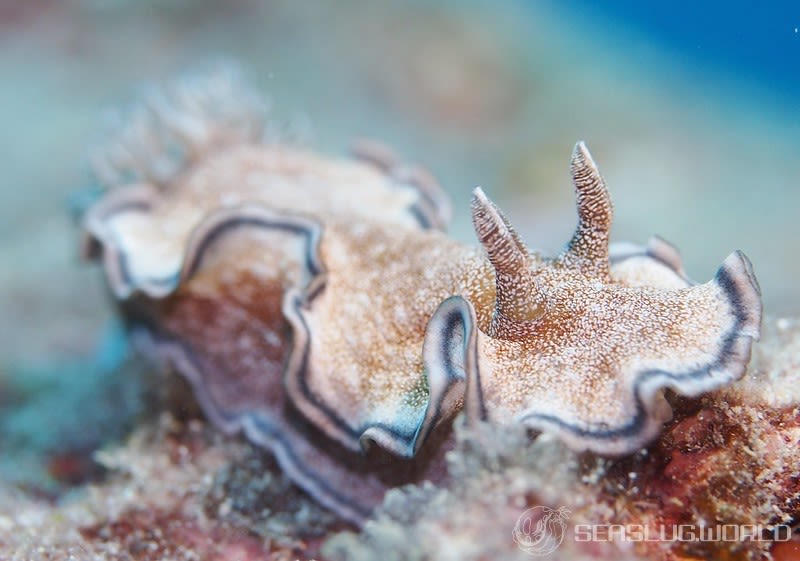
(757, 42)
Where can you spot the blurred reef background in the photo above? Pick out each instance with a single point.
(691, 111)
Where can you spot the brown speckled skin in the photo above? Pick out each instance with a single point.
(230, 340)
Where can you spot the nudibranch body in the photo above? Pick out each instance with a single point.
(316, 305)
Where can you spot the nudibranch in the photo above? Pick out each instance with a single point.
(316, 305)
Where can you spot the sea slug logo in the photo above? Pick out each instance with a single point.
(540, 530)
